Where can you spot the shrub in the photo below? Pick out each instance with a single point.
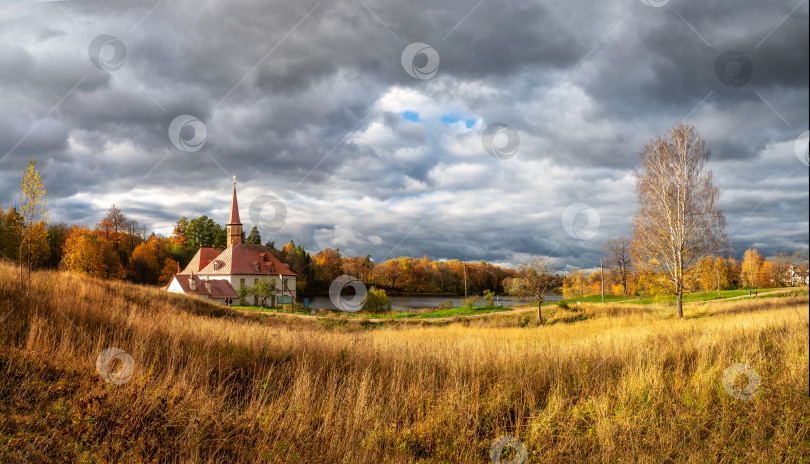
(489, 297)
(377, 301)
(524, 320)
(562, 304)
(470, 301)
(445, 305)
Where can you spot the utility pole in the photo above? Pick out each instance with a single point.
(465, 282)
(602, 277)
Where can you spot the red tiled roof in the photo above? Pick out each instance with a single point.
(200, 260)
(233, 218)
(242, 258)
(219, 288)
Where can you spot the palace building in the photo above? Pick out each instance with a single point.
(216, 275)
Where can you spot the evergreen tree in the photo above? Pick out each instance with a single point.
(254, 237)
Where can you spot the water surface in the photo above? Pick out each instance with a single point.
(410, 303)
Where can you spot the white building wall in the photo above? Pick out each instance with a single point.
(250, 281)
(174, 286)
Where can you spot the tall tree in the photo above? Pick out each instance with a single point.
(678, 221)
(752, 268)
(179, 234)
(86, 253)
(111, 226)
(34, 214)
(10, 235)
(255, 237)
(618, 251)
(204, 232)
(57, 234)
(535, 278)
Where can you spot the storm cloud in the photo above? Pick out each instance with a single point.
(310, 102)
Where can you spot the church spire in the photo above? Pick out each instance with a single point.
(234, 225)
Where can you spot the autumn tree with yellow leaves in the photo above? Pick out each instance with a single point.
(33, 211)
(89, 254)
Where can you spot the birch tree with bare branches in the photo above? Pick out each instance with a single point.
(534, 278)
(678, 221)
(618, 250)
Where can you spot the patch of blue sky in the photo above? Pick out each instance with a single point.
(411, 116)
(452, 119)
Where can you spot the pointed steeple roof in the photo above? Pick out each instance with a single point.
(233, 218)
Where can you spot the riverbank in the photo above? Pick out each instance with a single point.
(660, 304)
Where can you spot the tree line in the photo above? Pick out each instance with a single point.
(119, 248)
(623, 277)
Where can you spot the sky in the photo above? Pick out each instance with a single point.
(469, 129)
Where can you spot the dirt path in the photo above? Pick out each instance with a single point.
(769, 292)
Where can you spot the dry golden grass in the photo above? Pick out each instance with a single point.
(212, 385)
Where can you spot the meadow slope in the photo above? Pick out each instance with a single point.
(607, 383)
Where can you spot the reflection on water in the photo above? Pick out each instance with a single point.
(409, 303)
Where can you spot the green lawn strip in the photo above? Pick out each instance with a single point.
(271, 310)
(797, 292)
(463, 311)
(687, 297)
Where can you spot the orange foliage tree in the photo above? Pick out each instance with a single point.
(88, 254)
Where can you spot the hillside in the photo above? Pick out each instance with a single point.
(209, 384)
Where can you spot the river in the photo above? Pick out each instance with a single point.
(410, 303)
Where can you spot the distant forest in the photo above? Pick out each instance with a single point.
(122, 249)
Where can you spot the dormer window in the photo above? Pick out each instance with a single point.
(258, 267)
(216, 266)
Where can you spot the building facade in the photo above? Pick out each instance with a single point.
(239, 264)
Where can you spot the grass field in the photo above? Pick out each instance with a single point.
(438, 313)
(606, 383)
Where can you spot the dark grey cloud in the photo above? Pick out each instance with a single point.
(307, 100)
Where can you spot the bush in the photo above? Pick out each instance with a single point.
(524, 320)
(377, 301)
(489, 297)
(470, 301)
(562, 304)
(445, 305)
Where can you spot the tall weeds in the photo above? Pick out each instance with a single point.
(605, 384)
